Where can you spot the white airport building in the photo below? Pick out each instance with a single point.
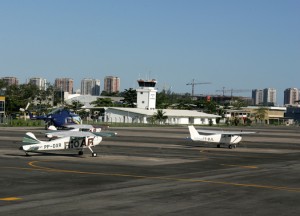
(146, 108)
(138, 115)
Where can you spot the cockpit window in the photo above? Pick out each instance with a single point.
(55, 111)
(76, 119)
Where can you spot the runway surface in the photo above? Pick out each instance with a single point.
(154, 171)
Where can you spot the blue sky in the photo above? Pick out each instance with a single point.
(236, 44)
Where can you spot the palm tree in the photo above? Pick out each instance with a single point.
(261, 113)
(160, 116)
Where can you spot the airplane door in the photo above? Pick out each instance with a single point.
(226, 138)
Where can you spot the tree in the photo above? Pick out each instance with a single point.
(162, 100)
(13, 99)
(160, 116)
(112, 94)
(130, 97)
(75, 105)
(238, 104)
(210, 107)
(261, 114)
(103, 102)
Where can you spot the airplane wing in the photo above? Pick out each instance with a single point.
(83, 127)
(69, 133)
(225, 132)
(51, 134)
(79, 126)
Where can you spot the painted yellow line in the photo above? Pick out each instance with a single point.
(10, 198)
(248, 167)
(32, 164)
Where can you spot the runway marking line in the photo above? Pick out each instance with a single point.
(10, 198)
(247, 167)
(47, 169)
(32, 164)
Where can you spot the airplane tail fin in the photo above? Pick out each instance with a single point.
(193, 132)
(30, 138)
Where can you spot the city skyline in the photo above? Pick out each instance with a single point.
(232, 44)
(259, 96)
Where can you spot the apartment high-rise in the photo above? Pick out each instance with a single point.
(111, 84)
(257, 96)
(265, 97)
(11, 80)
(39, 82)
(291, 95)
(64, 84)
(90, 87)
(269, 96)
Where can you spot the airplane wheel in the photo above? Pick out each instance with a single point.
(94, 154)
(230, 146)
(218, 146)
(80, 152)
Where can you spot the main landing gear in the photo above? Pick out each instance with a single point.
(229, 146)
(94, 154)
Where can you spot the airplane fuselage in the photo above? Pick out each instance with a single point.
(218, 138)
(63, 143)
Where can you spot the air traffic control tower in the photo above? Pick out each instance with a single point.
(146, 94)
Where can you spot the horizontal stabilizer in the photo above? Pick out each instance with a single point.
(30, 138)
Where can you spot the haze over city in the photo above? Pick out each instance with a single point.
(232, 44)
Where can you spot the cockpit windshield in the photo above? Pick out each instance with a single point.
(55, 111)
(77, 119)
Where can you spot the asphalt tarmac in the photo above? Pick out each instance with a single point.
(154, 171)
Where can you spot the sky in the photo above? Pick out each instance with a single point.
(232, 44)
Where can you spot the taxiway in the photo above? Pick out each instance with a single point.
(154, 171)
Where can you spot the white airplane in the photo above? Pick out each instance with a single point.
(229, 138)
(74, 140)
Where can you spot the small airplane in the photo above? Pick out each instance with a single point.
(75, 140)
(230, 138)
(59, 117)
